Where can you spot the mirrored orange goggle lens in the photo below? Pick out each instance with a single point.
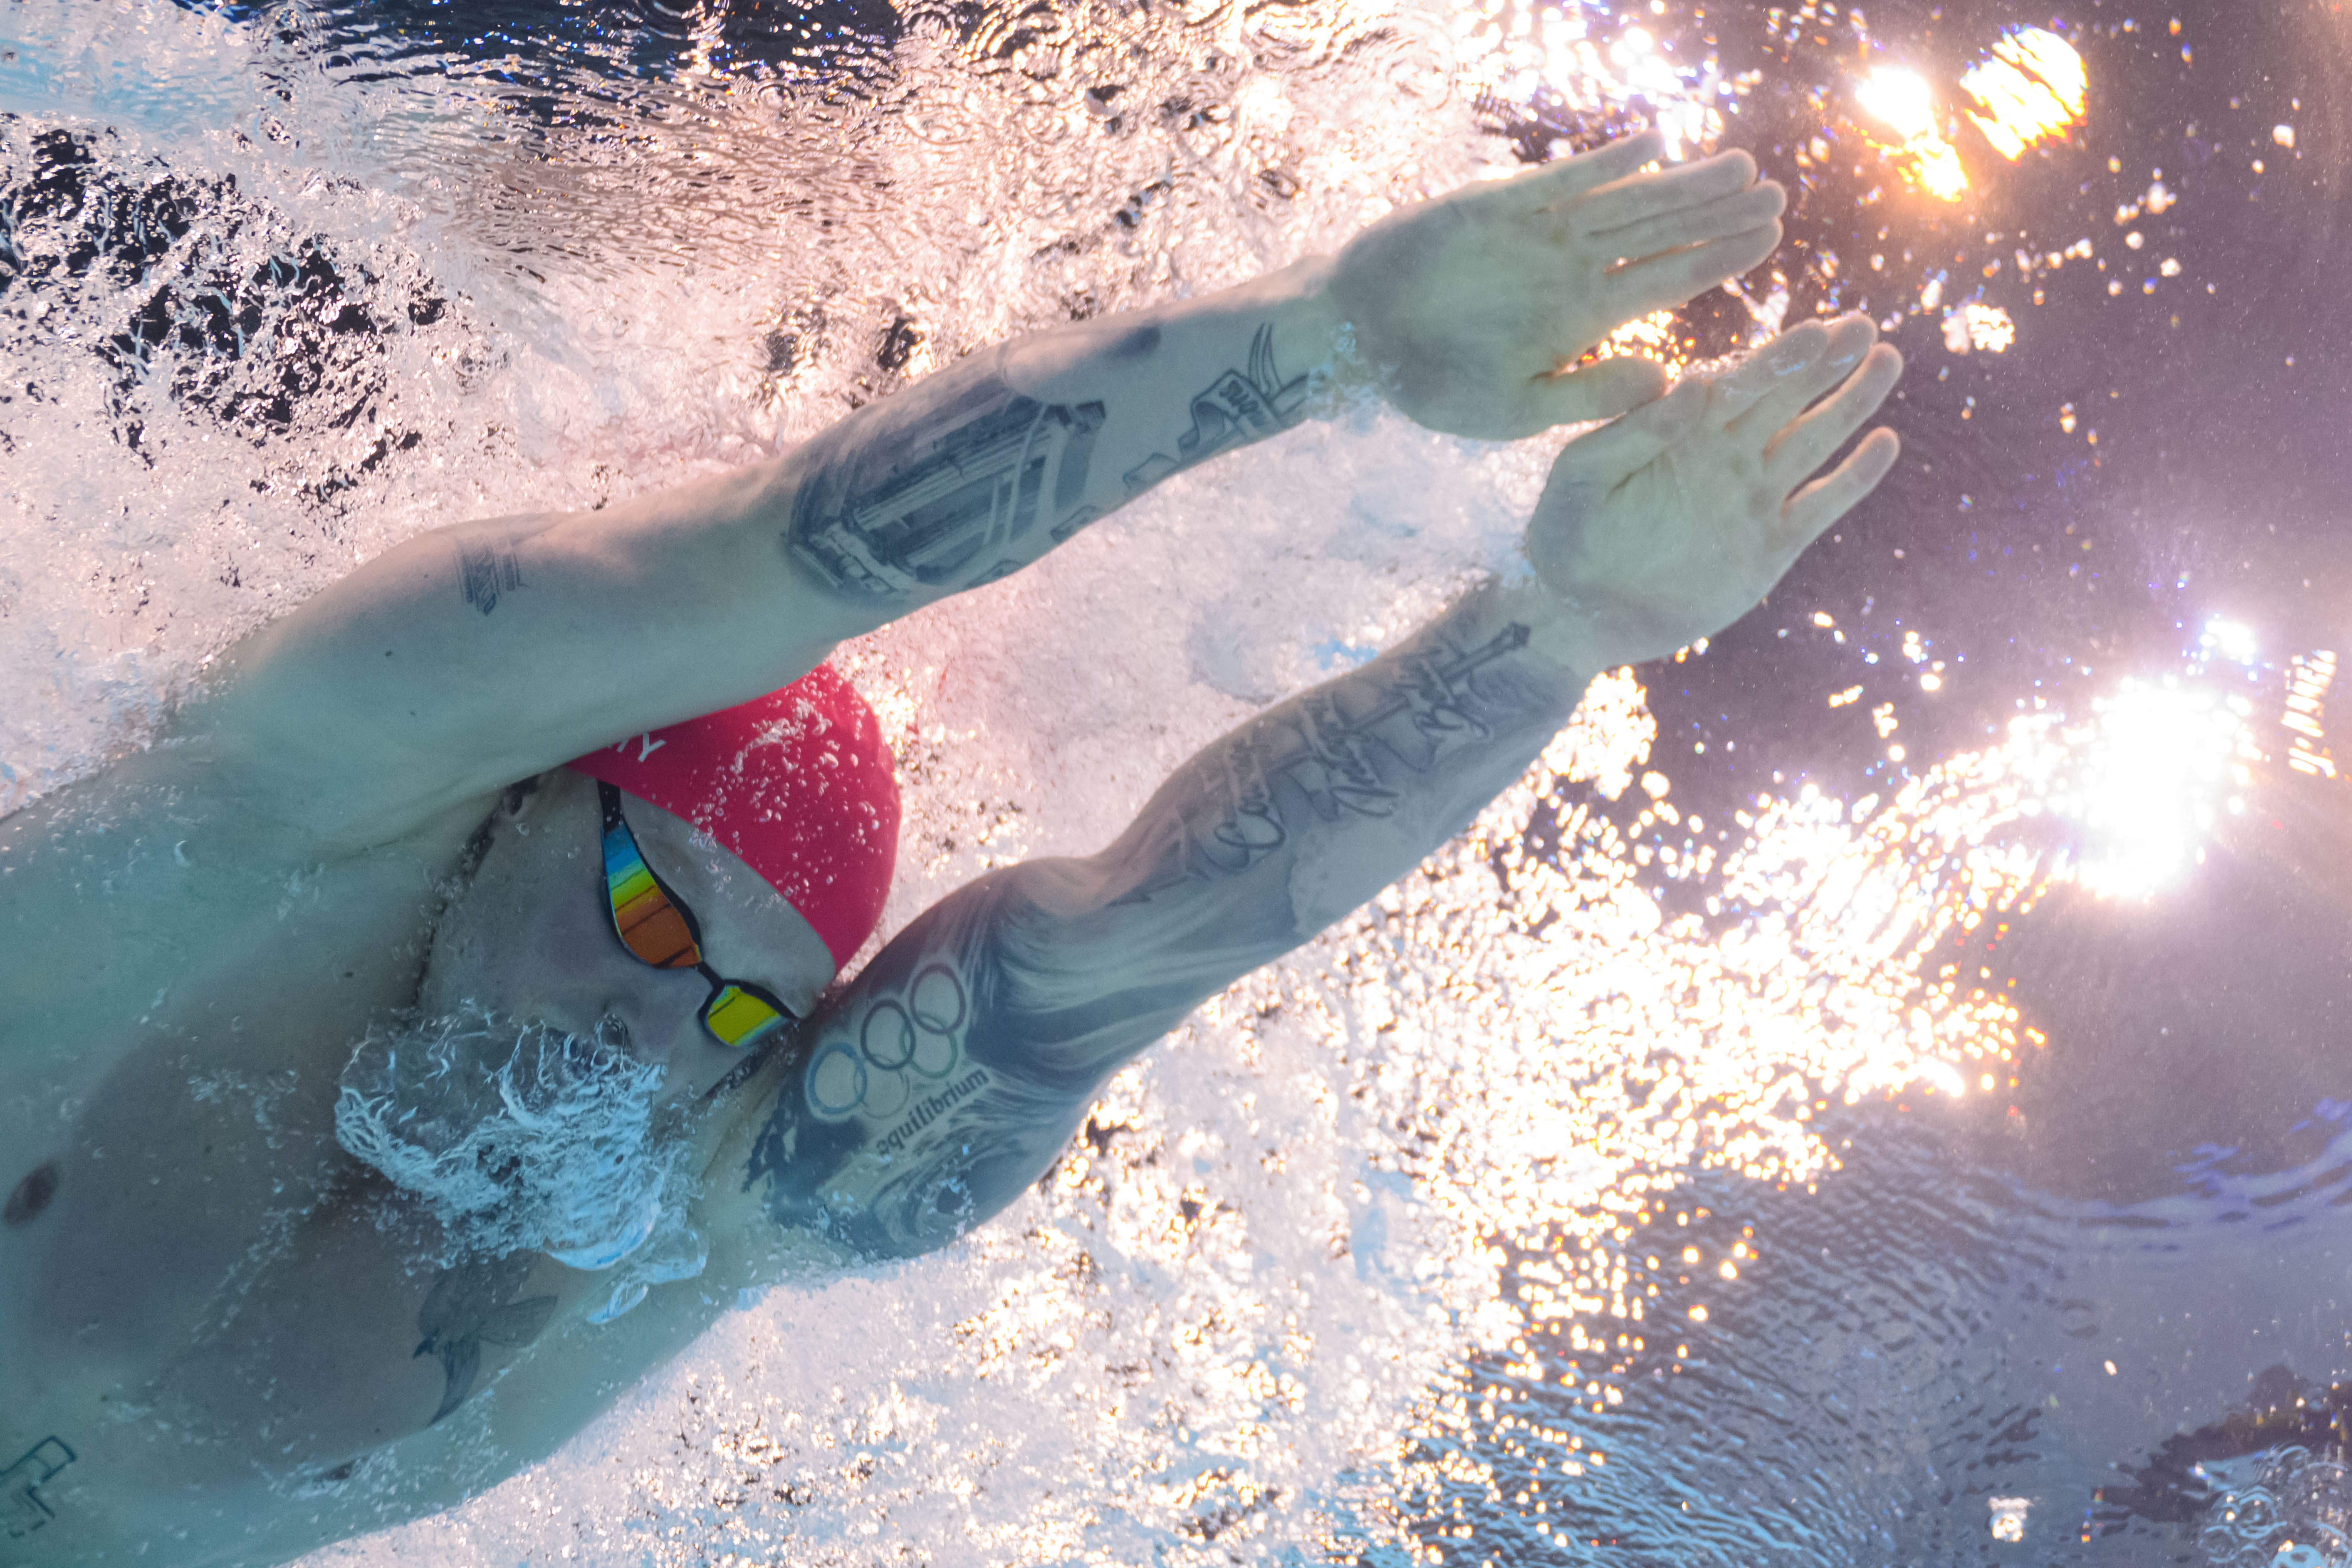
(650, 926)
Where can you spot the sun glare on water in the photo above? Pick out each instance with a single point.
(2032, 88)
(2156, 772)
(1821, 967)
(1900, 100)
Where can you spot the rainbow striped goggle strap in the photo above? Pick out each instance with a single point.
(658, 928)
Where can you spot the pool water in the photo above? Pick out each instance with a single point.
(1870, 1095)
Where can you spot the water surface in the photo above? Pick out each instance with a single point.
(1871, 1095)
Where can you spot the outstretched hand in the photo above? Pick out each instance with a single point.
(1672, 522)
(1472, 308)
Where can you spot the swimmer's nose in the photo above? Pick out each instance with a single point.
(648, 1028)
(606, 1026)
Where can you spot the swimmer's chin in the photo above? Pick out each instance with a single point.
(513, 1136)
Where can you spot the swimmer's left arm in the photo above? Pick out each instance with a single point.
(481, 652)
(1468, 314)
(950, 1072)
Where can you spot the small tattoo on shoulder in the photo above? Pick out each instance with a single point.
(487, 570)
(468, 1307)
(30, 1195)
(21, 1508)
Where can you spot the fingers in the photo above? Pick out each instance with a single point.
(1634, 199)
(1832, 354)
(1751, 208)
(1826, 499)
(1805, 443)
(1773, 366)
(1669, 279)
(1565, 178)
(1608, 457)
(1602, 391)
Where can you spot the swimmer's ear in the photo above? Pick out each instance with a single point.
(1602, 391)
(1614, 453)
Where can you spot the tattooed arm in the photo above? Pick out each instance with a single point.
(948, 1076)
(1468, 312)
(488, 651)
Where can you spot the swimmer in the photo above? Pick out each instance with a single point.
(253, 1300)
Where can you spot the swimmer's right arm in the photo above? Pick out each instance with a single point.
(952, 1071)
(488, 651)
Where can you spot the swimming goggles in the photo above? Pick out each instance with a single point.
(658, 928)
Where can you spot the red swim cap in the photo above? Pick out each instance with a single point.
(798, 783)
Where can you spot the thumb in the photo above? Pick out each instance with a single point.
(1615, 452)
(1602, 391)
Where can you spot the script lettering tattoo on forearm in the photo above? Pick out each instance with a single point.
(469, 1309)
(485, 570)
(1355, 747)
(22, 1508)
(952, 1071)
(1239, 407)
(919, 497)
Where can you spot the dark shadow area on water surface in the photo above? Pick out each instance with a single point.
(1911, 1341)
(645, 41)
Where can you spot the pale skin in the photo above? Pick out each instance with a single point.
(249, 1343)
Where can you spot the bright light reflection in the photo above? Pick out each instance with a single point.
(2151, 787)
(1848, 950)
(2308, 677)
(2033, 88)
(1900, 99)
(2231, 640)
(1841, 955)
(1976, 325)
(1631, 74)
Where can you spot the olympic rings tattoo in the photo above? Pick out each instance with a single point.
(900, 1046)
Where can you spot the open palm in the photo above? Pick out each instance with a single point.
(1472, 308)
(1670, 522)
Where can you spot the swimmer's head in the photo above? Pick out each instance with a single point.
(775, 824)
(797, 784)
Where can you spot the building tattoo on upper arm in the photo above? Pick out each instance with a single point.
(485, 570)
(962, 512)
(1237, 407)
(1006, 480)
(21, 1508)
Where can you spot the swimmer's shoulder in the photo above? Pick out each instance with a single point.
(144, 898)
